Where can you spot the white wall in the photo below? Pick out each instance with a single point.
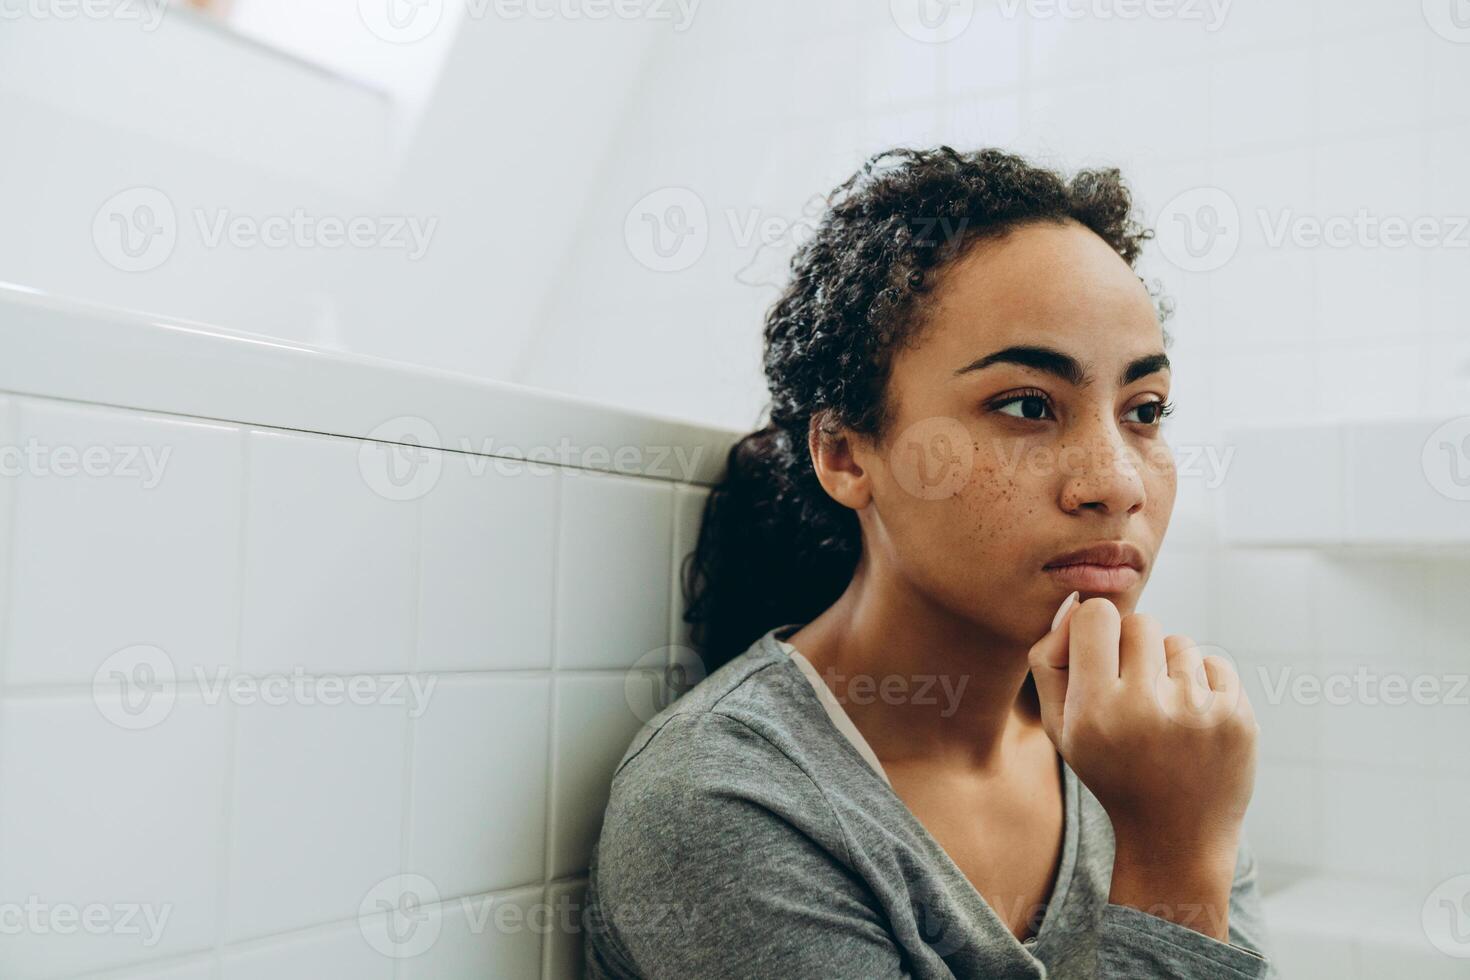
(281, 703)
(500, 159)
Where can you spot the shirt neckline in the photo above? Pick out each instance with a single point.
(1071, 805)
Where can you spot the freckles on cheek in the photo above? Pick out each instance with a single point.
(996, 506)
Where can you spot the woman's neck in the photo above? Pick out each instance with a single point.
(918, 682)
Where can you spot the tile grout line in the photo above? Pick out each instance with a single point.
(407, 814)
(553, 700)
(232, 732)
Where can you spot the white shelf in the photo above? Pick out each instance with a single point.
(1341, 928)
(1394, 485)
(56, 348)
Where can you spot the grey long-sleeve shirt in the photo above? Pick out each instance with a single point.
(747, 837)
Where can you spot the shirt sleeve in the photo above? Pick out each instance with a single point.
(724, 862)
(1134, 943)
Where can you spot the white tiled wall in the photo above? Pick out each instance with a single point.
(505, 631)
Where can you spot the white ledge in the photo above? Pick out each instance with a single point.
(56, 348)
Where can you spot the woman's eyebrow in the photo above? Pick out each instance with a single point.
(1064, 366)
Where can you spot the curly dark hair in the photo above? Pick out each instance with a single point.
(773, 547)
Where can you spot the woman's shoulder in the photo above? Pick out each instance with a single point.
(753, 705)
(752, 732)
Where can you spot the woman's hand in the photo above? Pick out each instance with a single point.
(1162, 735)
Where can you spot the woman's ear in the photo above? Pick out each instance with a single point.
(835, 452)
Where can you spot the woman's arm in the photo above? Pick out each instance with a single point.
(1158, 938)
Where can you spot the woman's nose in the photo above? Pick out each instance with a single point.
(1101, 474)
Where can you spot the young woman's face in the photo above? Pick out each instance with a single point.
(1026, 427)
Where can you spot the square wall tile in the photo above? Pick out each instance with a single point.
(484, 936)
(479, 784)
(1285, 818)
(488, 549)
(613, 569)
(565, 944)
(596, 718)
(1284, 485)
(100, 814)
(194, 968)
(126, 531)
(1266, 600)
(340, 950)
(331, 565)
(1381, 822)
(317, 811)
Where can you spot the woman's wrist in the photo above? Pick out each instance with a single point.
(1188, 883)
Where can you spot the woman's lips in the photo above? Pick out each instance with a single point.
(1095, 578)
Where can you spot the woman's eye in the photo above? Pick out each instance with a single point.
(1025, 407)
(1153, 412)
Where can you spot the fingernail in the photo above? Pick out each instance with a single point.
(1066, 604)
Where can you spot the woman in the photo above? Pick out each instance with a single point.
(943, 743)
